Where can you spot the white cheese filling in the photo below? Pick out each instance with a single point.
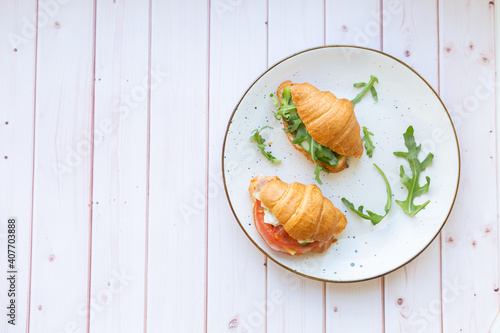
(269, 218)
(256, 195)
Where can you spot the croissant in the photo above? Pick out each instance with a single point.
(329, 120)
(294, 218)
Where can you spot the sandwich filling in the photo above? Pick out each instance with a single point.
(276, 237)
(269, 217)
(288, 111)
(273, 232)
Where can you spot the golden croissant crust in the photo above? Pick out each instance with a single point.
(302, 210)
(330, 121)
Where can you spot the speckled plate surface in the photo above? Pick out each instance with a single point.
(363, 251)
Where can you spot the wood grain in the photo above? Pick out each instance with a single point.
(355, 22)
(236, 271)
(495, 328)
(178, 180)
(17, 93)
(355, 307)
(120, 167)
(470, 238)
(63, 169)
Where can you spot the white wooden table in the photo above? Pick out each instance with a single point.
(112, 118)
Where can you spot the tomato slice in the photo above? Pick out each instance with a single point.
(276, 237)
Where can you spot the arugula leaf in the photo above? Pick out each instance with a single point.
(257, 138)
(412, 184)
(368, 142)
(374, 94)
(313, 146)
(275, 101)
(295, 122)
(325, 155)
(373, 217)
(317, 170)
(288, 111)
(287, 105)
(367, 86)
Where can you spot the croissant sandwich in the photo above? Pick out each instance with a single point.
(294, 218)
(320, 125)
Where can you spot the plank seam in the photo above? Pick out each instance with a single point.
(92, 118)
(382, 279)
(495, 32)
(324, 283)
(324, 307)
(324, 22)
(441, 235)
(148, 168)
(382, 289)
(381, 17)
(438, 50)
(207, 176)
(265, 257)
(28, 315)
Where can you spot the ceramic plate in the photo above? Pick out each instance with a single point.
(363, 251)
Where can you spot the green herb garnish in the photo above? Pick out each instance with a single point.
(318, 152)
(412, 184)
(373, 217)
(368, 142)
(257, 138)
(367, 86)
(287, 105)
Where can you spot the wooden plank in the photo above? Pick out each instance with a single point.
(495, 328)
(295, 303)
(17, 70)
(355, 307)
(413, 294)
(470, 238)
(412, 39)
(354, 23)
(62, 172)
(300, 306)
(236, 271)
(120, 167)
(413, 290)
(306, 31)
(177, 234)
